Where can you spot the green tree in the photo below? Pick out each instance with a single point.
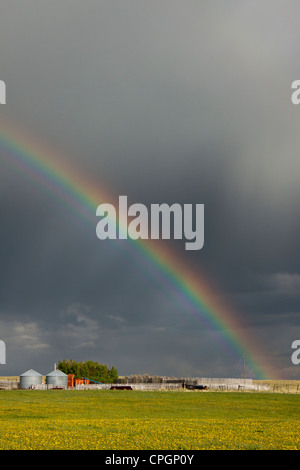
(90, 369)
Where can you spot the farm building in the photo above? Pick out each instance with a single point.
(30, 378)
(57, 378)
(72, 382)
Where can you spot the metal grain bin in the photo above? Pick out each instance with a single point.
(57, 378)
(29, 378)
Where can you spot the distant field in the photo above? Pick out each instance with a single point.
(11, 377)
(283, 386)
(57, 419)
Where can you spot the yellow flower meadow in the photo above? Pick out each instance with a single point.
(153, 420)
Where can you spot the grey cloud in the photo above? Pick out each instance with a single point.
(163, 102)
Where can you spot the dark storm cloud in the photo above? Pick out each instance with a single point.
(163, 102)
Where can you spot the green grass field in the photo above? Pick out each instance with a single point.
(57, 419)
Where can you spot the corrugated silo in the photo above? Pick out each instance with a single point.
(29, 378)
(57, 378)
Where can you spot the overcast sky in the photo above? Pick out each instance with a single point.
(163, 101)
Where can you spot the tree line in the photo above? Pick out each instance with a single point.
(89, 370)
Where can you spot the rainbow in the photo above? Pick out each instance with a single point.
(49, 169)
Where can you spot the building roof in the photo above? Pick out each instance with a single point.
(30, 373)
(56, 373)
